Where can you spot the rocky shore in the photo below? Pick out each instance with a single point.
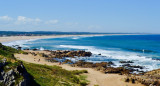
(53, 56)
(151, 78)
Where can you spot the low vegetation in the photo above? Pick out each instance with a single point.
(55, 76)
(8, 52)
(42, 75)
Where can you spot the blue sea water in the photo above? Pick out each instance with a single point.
(144, 50)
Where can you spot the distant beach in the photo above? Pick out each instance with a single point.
(15, 38)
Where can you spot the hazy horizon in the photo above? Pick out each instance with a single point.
(104, 16)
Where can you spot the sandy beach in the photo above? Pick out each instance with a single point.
(15, 38)
(95, 77)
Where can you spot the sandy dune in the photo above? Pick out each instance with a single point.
(95, 77)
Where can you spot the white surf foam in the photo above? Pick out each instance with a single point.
(120, 55)
(78, 37)
(19, 42)
(41, 48)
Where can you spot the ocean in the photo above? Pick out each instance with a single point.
(143, 50)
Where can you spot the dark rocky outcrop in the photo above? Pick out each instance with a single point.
(151, 78)
(17, 76)
(35, 49)
(63, 53)
(67, 53)
(126, 62)
(60, 54)
(103, 67)
(119, 70)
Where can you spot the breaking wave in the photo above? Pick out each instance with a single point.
(19, 42)
(116, 56)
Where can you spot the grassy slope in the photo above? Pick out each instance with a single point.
(42, 74)
(12, 63)
(55, 76)
(8, 53)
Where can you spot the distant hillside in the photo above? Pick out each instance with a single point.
(38, 33)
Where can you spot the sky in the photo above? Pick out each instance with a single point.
(142, 16)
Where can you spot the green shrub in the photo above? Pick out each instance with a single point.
(53, 75)
(8, 51)
(83, 84)
(77, 72)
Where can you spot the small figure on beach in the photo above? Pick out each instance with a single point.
(34, 59)
(38, 60)
(60, 63)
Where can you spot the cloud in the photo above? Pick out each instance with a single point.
(22, 20)
(25, 20)
(31, 24)
(6, 18)
(52, 22)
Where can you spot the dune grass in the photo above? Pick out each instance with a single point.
(55, 76)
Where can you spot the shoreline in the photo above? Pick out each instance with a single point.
(95, 77)
(92, 77)
(17, 38)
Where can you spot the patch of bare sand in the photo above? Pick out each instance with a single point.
(95, 77)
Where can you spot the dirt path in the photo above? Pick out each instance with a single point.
(95, 77)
